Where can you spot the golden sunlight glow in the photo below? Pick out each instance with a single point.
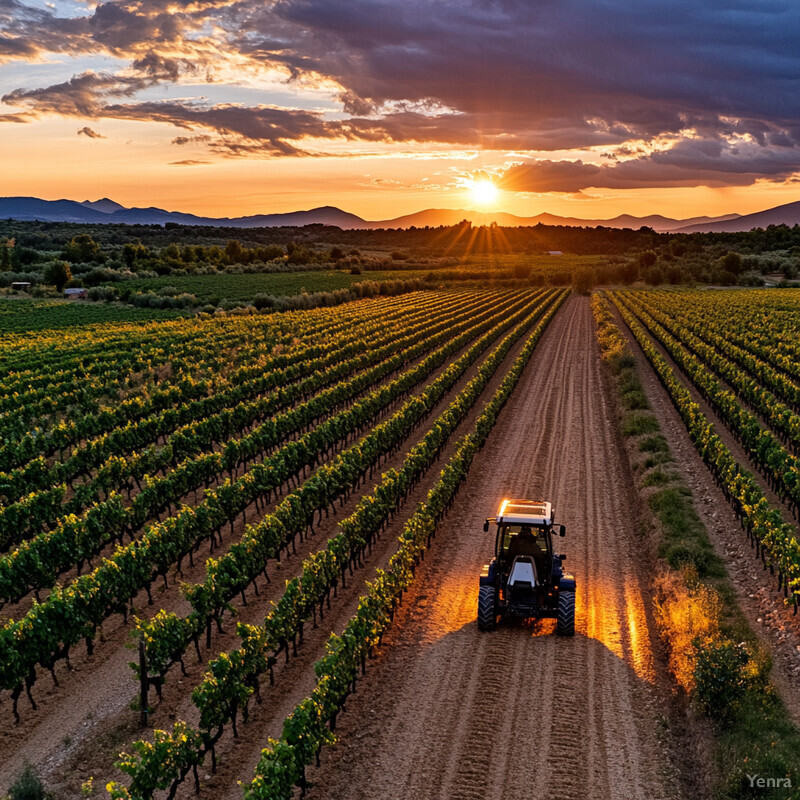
(483, 191)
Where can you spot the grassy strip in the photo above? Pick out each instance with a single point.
(714, 654)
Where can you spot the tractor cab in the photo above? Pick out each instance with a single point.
(529, 541)
(525, 577)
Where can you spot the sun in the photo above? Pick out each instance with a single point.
(483, 191)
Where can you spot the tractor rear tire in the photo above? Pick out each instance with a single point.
(565, 625)
(487, 613)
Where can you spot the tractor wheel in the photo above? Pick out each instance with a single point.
(487, 615)
(565, 626)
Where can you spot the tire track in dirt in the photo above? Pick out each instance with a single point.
(448, 712)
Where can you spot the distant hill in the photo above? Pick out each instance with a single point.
(788, 214)
(31, 208)
(434, 217)
(105, 205)
(108, 211)
(326, 215)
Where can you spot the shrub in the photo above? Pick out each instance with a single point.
(647, 258)
(751, 278)
(634, 399)
(262, 300)
(102, 293)
(639, 423)
(654, 276)
(583, 280)
(100, 275)
(58, 274)
(28, 786)
(720, 675)
(628, 272)
(653, 444)
(731, 262)
(685, 615)
(657, 477)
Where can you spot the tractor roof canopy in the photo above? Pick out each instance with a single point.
(525, 512)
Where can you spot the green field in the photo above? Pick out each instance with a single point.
(243, 287)
(209, 288)
(18, 316)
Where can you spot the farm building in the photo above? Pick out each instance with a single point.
(78, 293)
(20, 286)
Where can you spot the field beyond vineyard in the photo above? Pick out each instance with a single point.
(269, 528)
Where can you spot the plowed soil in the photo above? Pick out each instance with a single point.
(449, 712)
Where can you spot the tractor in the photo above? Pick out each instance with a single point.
(525, 578)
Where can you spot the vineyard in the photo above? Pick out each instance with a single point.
(741, 357)
(239, 555)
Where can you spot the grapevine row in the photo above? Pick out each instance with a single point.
(780, 417)
(166, 761)
(40, 508)
(168, 635)
(124, 436)
(774, 539)
(780, 469)
(46, 634)
(37, 562)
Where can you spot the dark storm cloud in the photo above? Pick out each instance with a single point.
(125, 28)
(506, 75)
(556, 75)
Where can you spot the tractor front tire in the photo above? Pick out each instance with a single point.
(487, 614)
(565, 625)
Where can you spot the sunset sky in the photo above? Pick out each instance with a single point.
(233, 107)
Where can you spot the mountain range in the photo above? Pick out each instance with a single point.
(107, 211)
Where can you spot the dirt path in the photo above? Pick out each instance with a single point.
(448, 712)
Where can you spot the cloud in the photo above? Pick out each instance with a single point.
(237, 130)
(692, 162)
(81, 96)
(26, 33)
(92, 134)
(189, 162)
(19, 118)
(716, 81)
